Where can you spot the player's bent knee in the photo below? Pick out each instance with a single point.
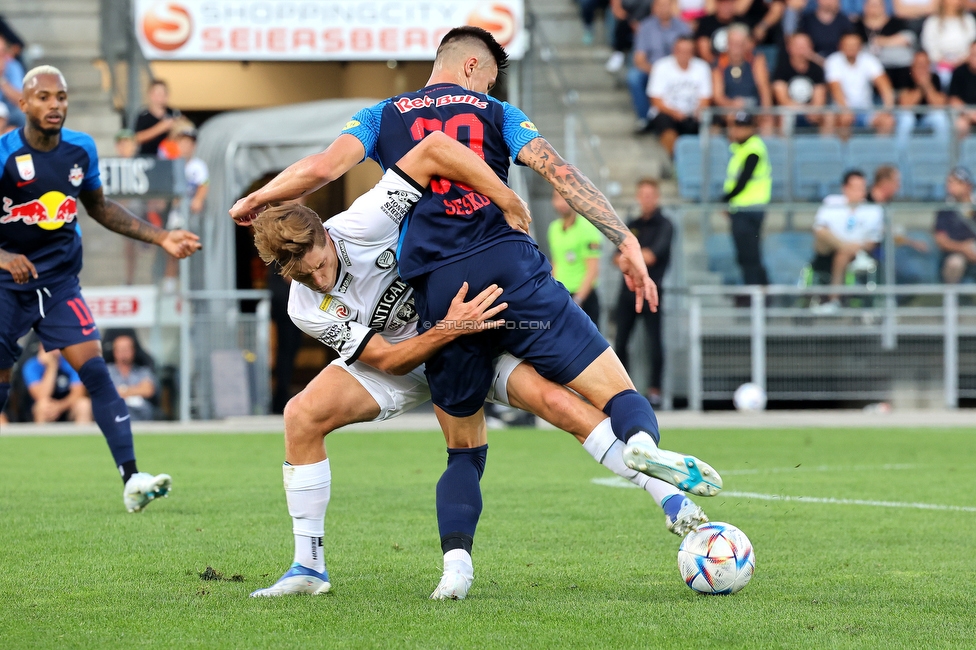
(303, 422)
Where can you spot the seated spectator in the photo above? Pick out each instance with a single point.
(11, 85)
(845, 227)
(884, 189)
(136, 384)
(962, 92)
(655, 40)
(947, 36)
(56, 389)
(627, 14)
(680, 86)
(574, 247)
(741, 79)
(955, 234)
(711, 36)
(851, 73)
(763, 18)
(889, 39)
(154, 123)
(799, 82)
(924, 89)
(825, 26)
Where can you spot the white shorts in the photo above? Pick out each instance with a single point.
(397, 394)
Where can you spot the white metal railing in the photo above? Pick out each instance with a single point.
(778, 313)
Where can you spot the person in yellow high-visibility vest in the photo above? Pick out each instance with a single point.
(748, 187)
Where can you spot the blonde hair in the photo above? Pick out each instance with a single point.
(285, 234)
(43, 69)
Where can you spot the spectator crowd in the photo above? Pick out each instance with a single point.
(882, 64)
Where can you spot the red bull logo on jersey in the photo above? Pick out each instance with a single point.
(50, 212)
(405, 104)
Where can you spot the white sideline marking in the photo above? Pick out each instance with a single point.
(849, 502)
(818, 468)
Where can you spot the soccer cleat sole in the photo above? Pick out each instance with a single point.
(686, 473)
(686, 523)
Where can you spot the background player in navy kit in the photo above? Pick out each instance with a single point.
(455, 235)
(45, 170)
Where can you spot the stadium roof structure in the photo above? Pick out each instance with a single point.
(241, 146)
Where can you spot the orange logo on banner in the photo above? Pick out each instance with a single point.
(167, 26)
(495, 18)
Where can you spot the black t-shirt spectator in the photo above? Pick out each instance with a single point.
(656, 234)
(900, 75)
(754, 15)
(936, 83)
(715, 31)
(963, 84)
(825, 38)
(147, 120)
(799, 85)
(954, 225)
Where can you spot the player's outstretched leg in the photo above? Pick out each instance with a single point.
(458, 510)
(112, 416)
(682, 515)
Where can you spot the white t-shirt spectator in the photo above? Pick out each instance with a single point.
(947, 40)
(855, 80)
(196, 174)
(682, 90)
(864, 223)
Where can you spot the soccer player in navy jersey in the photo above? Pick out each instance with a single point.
(455, 235)
(45, 170)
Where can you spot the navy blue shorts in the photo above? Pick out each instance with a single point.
(57, 313)
(542, 324)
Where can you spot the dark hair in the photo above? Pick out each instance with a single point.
(684, 37)
(158, 82)
(851, 173)
(849, 32)
(469, 32)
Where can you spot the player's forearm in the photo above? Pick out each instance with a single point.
(117, 219)
(440, 155)
(310, 173)
(401, 358)
(576, 188)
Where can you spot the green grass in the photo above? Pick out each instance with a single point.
(560, 561)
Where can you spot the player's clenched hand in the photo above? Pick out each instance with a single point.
(18, 266)
(474, 315)
(517, 213)
(243, 213)
(180, 243)
(631, 262)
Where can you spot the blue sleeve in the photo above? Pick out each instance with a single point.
(32, 371)
(517, 130)
(365, 125)
(69, 371)
(93, 179)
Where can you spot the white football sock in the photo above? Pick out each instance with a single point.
(459, 560)
(307, 490)
(608, 450)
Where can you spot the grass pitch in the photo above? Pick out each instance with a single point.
(560, 561)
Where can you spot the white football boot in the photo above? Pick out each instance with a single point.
(297, 580)
(457, 578)
(142, 488)
(686, 473)
(682, 515)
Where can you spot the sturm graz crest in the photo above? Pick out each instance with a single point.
(386, 259)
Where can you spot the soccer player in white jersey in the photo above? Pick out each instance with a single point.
(347, 294)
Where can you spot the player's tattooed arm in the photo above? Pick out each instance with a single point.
(576, 188)
(584, 197)
(178, 243)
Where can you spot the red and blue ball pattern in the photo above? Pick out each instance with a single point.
(716, 559)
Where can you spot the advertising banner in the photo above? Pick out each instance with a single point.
(317, 30)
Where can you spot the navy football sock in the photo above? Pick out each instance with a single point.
(629, 413)
(111, 414)
(4, 391)
(459, 497)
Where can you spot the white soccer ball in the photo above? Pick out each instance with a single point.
(716, 559)
(749, 397)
